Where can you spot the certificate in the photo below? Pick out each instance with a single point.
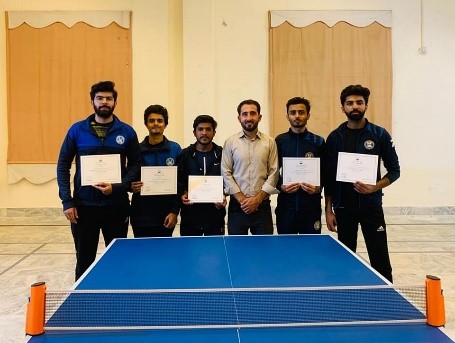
(301, 169)
(100, 168)
(357, 167)
(205, 188)
(159, 180)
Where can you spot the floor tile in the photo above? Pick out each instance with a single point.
(418, 245)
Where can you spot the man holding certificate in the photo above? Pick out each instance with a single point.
(200, 184)
(250, 170)
(106, 152)
(155, 204)
(300, 156)
(352, 195)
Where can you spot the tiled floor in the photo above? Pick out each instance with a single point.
(38, 248)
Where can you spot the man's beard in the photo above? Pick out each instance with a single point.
(298, 124)
(104, 111)
(356, 115)
(206, 141)
(251, 128)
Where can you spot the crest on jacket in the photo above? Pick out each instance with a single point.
(120, 139)
(369, 144)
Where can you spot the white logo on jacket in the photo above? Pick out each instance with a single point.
(369, 144)
(170, 161)
(120, 140)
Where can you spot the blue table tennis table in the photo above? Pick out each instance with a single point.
(237, 262)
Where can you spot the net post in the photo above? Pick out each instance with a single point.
(34, 323)
(435, 301)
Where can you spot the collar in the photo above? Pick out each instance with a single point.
(241, 134)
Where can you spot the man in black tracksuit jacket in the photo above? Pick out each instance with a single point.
(200, 158)
(298, 208)
(351, 204)
(155, 215)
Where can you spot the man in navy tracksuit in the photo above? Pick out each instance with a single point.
(348, 204)
(298, 208)
(103, 205)
(201, 158)
(155, 215)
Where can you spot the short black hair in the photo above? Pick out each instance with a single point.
(103, 86)
(298, 100)
(355, 90)
(158, 109)
(204, 118)
(249, 102)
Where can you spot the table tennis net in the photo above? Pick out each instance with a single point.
(236, 308)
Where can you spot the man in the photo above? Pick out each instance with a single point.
(155, 215)
(200, 158)
(298, 208)
(359, 203)
(250, 171)
(103, 205)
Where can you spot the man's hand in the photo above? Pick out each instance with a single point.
(364, 188)
(136, 186)
(221, 204)
(104, 187)
(251, 204)
(330, 217)
(185, 199)
(71, 215)
(331, 221)
(310, 189)
(291, 188)
(170, 221)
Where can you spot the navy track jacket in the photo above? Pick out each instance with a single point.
(81, 140)
(373, 140)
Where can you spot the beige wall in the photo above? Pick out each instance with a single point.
(157, 78)
(205, 56)
(226, 60)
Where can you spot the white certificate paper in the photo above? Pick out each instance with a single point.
(357, 167)
(100, 168)
(301, 169)
(159, 180)
(205, 188)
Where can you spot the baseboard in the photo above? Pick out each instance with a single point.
(54, 216)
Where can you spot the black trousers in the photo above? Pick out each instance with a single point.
(202, 220)
(374, 232)
(259, 222)
(290, 221)
(111, 220)
(198, 230)
(152, 231)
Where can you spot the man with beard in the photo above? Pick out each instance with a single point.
(155, 215)
(102, 206)
(351, 204)
(200, 158)
(298, 208)
(250, 171)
